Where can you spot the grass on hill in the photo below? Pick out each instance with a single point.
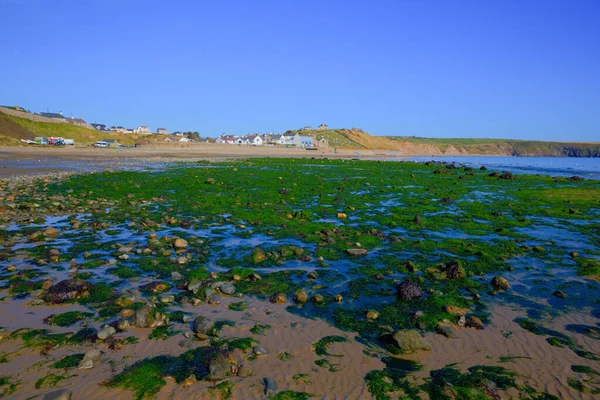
(12, 129)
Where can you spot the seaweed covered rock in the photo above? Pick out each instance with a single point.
(148, 317)
(453, 270)
(300, 297)
(410, 340)
(409, 291)
(218, 367)
(67, 290)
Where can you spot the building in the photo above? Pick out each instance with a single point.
(302, 140)
(162, 131)
(323, 127)
(58, 116)
(286, 140)
(100, 127)
(112, 143)
(307, 128)
(270, 138)
(323, 142)
(254, 140)
(118, 129)
(141, 129)
(226, 139)
(77, 121)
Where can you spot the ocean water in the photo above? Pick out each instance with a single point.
(554, 166)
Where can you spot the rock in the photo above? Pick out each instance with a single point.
(446, 330)
(260, 350)
(11, 268)
(123, 324)
(560, 295)
(278, 298)
(453, 270)
(142, 317)
(189, 381)
(90, 358)
(270, 386)
(417, 220)
(539, 249)
(193, 285)
(312, 275)
(67, 290)
(254, 277)
(245, 371)
(409, 291)
(167, 298)
(499, 283)
(36, 236)
(210, 181)
(473, 322)
(409, 340)
(51, 232)
(62, 394)
(338, 298)
(483, 168)
(411, 266)
(341, 215)
(227, 288)
(455, 310)
(176, 276)
(236, 278)
(372, 314)
(106, 333)
(357, 252)
(182, 260)
(300, 297)
(201, 324)
(461, 321)
(506, 175)
(258, 256)
(155, 287)
(180, 244)
(574, 254)
(317, 299)
(218, 367)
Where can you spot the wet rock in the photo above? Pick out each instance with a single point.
(155, 287)
(254, 277)
(193, 285)
(506, 175)
(67, 290)
(446, 330)
(417, 220)
(270, 386)
(123, 324)
(483, 168)
(339, 298)
(227, 288)
(409, 340)
(201, 325)
(300, 297)
(455, 310)
(409, 291)
(341, 215)
(218, 367)
(499, 283)
(90, 358)
(560, 294)
(245, 371)
(62, 394)
(312, 275)
(167, 298)
(357, 252)
(176, 276)
(106, 333)
(182, 260)
(473, 322)
(11, 268)
(210, 181)
(51, 232)
(278, 298)
(461, 321)
(180, 244)
(317, 299)
(36, 236)
(258, 256)
(260, 350)
(574, 254)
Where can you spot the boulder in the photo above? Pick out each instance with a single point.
(278, 298)
(201, 325)
(300, 297)
(499, 283)
(409, 340)
(227, 288)
(51, 232)
(218, 367)
(180, 244)
(142, 318)
(473, 322)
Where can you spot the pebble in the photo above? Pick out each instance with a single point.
(260, 350)
(106, 333)
(270, 386)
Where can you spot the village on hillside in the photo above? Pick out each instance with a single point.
(305, 137)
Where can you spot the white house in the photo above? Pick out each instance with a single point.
(226, 139)
(254, 140)
(286, 140)
(141, 129)
(302, 140)
(184, 140)
(162, 131)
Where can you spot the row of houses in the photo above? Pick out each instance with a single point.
(143, 129)
(70, 120)
(255, 139)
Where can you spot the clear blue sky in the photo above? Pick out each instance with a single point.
(526, 69)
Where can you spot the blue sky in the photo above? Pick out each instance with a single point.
(527, 69)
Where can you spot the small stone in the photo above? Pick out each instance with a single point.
(317, 299)
(194, 285)
(339, 298)
(245, 371)
(455, 310)
(126, 313)
(499, 283)
(446, 330)
(210, 181)
(372, 315)
(11, 268)
(357, 252)
(341, 215)
(182, 260)
(180, 244)
(51, 232)
(227, 288)
(123, 324)
(574, 254)
(270, 386)
(167, 298)
(260, 350)
(112, 261)
(62, 394)
(461, 321)
(90, 358)
(409, 291)
(236, 278)
(312, 275)
(195, 301)
(300, 297)
(473, 322)
(176, 276)
(189, 381)
(560, 294)
(106, 333)
(278, 298)
(201, 324)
